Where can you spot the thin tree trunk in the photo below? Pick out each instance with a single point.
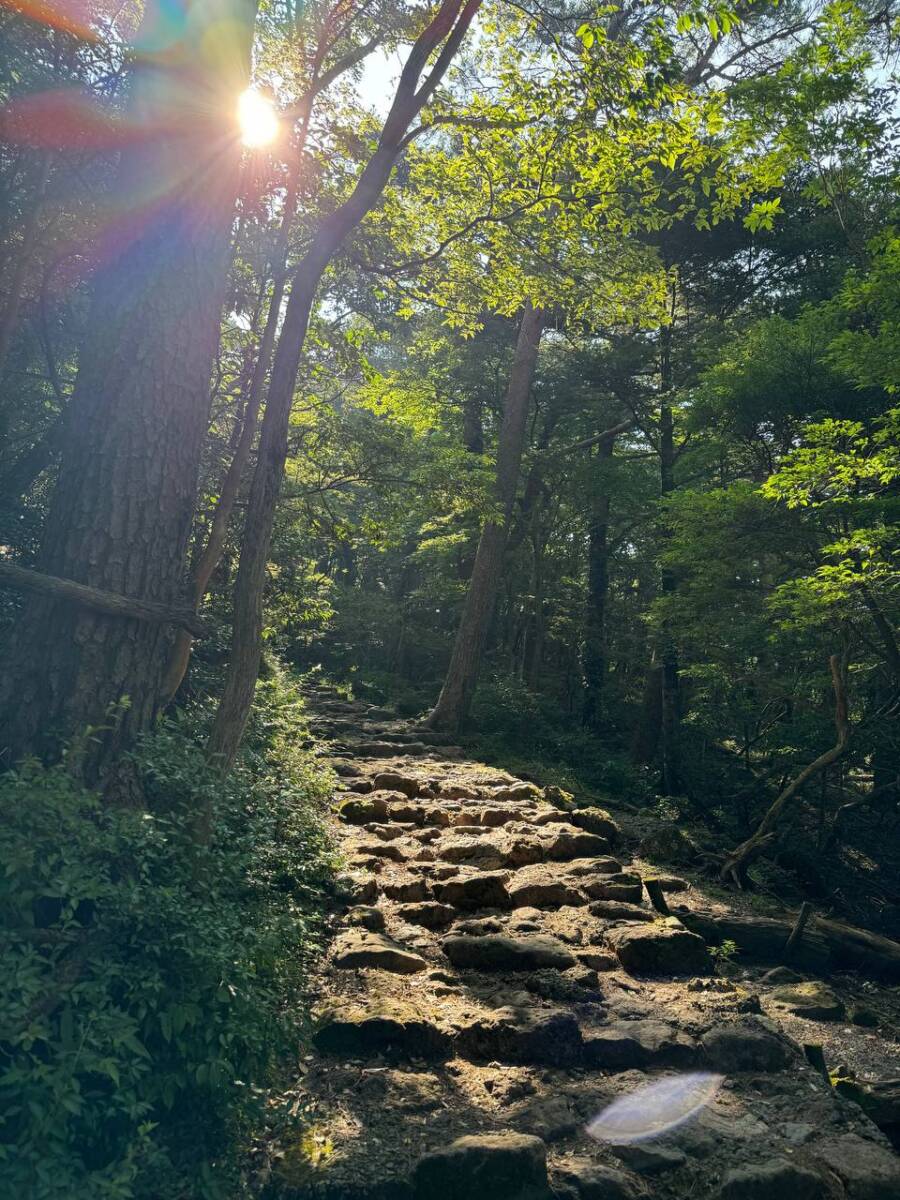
(10, 318)
(462, 674)
(646, 731)
(593, 659)
(443, 35)
(671, 767)
(121, 514)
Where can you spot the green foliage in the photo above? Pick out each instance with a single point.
(144, 977)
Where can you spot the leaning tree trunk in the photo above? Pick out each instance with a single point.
(462, 674)
(122, 509)
(734, 869)
(442, 37)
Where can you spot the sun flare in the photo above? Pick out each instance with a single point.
(257, 119)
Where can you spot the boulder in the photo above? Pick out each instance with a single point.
(662, 948)
(429, 913)
(584, 1179)
(746, 1046)
(486, 889)
(776, 1180)
(540, 886)
(668, 844)
(624, 1045)
(502, 1166)
(542, 1037)
(497, 952)
(388, 1027)
(868, 1171)
(595, 820)
(394, 781)
(359, 948)
(813, 1000)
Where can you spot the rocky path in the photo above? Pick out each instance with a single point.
(498, 978)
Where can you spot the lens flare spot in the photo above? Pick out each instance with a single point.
(656, 1108)
(257, 119)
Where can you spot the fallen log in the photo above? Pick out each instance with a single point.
(822, 944)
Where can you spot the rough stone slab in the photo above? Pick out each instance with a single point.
(496, 952)
(622, 887)
(545, 1037)
(540, 886)
(813, 1000)
(639, 1044)
(584, 1179)
(387, 1027)
(395, 781)
(778, 1180)
(361, 948)
(596, 820)
(867, 1170)
(411, 890)
(659, 949)
(566, 842)
(746, 1046)
(430, 914)
(487, 889)
(492, 1166)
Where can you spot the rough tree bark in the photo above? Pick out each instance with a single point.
(462, 674)
(211, 555)
(442, 36)
(121, 513)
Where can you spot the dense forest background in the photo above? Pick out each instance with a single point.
(536, 375)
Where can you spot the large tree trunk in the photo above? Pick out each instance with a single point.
(593, 657)
(211, 555)
(121, 513)
(442, 37)
(462, 674)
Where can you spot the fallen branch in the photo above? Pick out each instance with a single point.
(111, 603)
(736, 863)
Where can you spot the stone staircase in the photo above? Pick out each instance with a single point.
(497, 979)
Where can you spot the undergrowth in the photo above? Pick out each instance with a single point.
(149, 987)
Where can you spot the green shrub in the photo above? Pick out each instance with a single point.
(150, 986)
